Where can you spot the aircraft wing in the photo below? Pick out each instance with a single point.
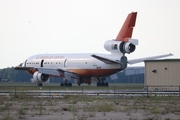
(105, 60)
(50, 71)
(134, 61)
(53, 72)
(58, 72)
(23, 68)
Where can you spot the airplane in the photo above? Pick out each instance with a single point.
(87, 67)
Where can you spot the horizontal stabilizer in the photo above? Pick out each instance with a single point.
(134, 61)
(105, 60)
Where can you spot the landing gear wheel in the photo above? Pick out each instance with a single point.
(102, 84)
(40, 84)
(62, 84)
(66, 84)
(70, 84)
(106, 84)
(98, 84)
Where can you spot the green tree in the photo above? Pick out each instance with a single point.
(15, 75)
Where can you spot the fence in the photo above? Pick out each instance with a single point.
(93, 91)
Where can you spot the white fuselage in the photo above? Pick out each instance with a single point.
(82, 64)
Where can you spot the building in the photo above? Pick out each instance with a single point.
(162, 74)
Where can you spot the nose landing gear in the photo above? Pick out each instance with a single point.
(101, 83)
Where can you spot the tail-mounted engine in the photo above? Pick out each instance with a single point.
(114, 46)
(39, 77)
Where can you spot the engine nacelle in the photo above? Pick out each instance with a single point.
(114, 46)
(127, 47)
(39, 77)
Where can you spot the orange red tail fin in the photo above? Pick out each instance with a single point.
(126, 30)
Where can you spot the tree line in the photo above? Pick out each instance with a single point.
(10, 74)
(14, 75)
(21, 76)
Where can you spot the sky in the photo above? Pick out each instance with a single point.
(29, 27)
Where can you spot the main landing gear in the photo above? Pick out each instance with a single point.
(66, 83)
(101, 83)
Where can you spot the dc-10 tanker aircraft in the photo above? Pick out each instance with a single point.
(87, 67)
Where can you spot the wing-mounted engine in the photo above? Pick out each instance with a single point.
(39, 77)
(114, 46)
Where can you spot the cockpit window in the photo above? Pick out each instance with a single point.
(21, 64)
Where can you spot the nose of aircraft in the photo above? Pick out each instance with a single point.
(20, 65)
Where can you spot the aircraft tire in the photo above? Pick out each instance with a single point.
(98, 84)
(66, 84)
(70, 84)
(40, 84)
(62, 84)
(106, 84)
(102, 84)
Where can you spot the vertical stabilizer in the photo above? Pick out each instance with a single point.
(126, 31)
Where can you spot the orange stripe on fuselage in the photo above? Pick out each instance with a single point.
(94, 72)
(89, 72)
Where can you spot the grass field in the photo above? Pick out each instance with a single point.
(81, 107)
